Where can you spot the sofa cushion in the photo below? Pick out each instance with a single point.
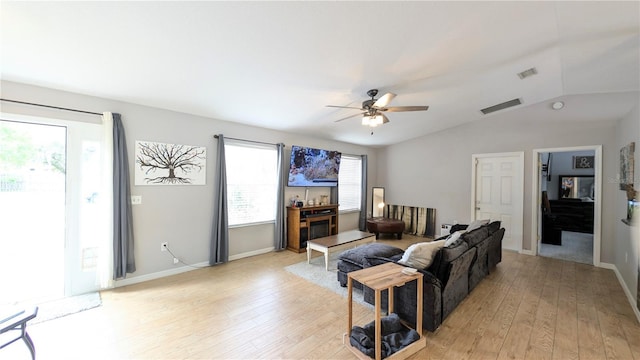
(421, 255)
(476, 224)
(454, 239)
(444, 257)
(458, 227)
(356, 255)
(493, 226)
(475, 236)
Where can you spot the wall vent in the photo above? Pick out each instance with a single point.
(527, 73)
(504, 105)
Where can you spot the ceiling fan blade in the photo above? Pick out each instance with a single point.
(405, 108)
(349, 117)
(384, 100)
(385, 119)
(344, 107)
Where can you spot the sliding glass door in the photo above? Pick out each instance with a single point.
(32, 211)
(52, 208)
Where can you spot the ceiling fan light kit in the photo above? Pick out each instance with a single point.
(372, 121)
(373, 109)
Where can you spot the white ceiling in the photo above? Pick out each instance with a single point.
(277, 64)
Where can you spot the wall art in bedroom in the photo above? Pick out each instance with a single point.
(169, 164)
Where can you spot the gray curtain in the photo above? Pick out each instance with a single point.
(219, 249)
(279, 235)
(123, 259)
(333, 195)
(362, 221)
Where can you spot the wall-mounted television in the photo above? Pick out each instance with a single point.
(313, 167)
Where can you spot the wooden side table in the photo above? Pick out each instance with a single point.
(379, 278)
(17, 320)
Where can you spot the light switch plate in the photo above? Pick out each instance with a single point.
(136, 199)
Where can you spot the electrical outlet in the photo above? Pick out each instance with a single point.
(164, 246)
(175, 260)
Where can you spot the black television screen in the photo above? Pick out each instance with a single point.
(313, 167)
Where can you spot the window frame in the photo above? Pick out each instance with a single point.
(340, 184)
(230, 205)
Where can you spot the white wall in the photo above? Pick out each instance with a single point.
(626, 244)
(181, 215)
(435, 170)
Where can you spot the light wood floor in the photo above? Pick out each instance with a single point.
(530, 307)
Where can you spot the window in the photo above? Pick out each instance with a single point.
(251, 182)
(350, 183)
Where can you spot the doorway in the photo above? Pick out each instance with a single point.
(566, 200)
(498, 193)
(53, 208)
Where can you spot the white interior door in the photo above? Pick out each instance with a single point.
(498, 193)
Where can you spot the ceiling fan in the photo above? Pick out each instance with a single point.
(372, 110)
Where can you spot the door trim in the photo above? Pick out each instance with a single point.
(520, 170)
(536, 197)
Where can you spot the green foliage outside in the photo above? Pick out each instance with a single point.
(16, 148)
(19, 153)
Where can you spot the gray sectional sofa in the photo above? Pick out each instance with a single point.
(454, 272)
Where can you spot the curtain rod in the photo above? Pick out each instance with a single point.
(252, 141)
(51, 107)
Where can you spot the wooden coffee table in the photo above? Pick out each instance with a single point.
(331, 243)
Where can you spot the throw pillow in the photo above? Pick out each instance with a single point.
(476, 224)
(454, 239)
(421, 255)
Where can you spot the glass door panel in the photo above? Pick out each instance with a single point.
(32, 211)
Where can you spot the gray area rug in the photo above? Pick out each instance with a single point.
(70, 305)
(316, 273)
(576, 247)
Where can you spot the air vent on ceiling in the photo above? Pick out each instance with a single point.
(504, 105)
(527, 73)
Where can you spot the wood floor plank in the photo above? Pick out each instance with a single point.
(541, 342)
(517, 343)
(528, 307)
(566, 333)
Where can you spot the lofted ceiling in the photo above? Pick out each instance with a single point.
(278, 64)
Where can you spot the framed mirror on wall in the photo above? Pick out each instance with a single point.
(377, 204)
(576, 187)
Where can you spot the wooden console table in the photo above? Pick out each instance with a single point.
(301, 221)
(379, 278)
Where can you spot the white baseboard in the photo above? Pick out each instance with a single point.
(627, 292)
(159, 274)
(182, 269)
(251, 253)
(527, 252)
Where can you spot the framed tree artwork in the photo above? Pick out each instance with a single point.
(169, 164)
